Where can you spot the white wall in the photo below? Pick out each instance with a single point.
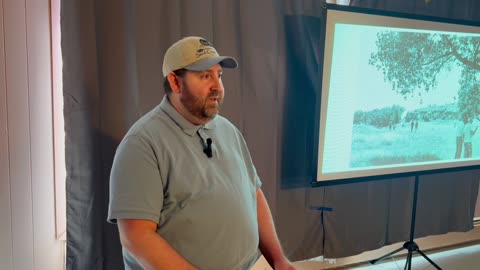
(27, 205)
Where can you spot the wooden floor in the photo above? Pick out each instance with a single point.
(433, 246)
(463, 258)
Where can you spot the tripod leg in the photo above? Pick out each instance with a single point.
(410, 256)
(428, 259)
(408, 261)
(386, 255)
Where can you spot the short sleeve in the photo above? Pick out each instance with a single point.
(257, 180)
(136, 187)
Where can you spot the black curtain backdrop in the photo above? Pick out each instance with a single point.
(113, 52)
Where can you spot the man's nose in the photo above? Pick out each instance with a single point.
(217, 83)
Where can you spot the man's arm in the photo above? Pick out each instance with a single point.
(269, 244)
(150, 250)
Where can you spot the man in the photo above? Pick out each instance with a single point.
(183, 188)
(468, 132)
(459, 137)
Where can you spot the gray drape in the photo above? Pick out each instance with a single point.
(112, 52)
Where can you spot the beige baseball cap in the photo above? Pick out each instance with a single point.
(194, 53)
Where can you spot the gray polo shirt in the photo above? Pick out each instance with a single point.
(204, 207)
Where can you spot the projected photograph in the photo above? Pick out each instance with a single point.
(401, 97)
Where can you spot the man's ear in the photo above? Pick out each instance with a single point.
(174, 82)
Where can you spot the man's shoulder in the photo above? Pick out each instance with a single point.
(225, 123)
(148, 124)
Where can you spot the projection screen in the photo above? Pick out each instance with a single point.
(399, 95)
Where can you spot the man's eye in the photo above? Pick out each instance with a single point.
(205, 76)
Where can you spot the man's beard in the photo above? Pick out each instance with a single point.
(199, 106)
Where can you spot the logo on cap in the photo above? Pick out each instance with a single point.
(206, 48)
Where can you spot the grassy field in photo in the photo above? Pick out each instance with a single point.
(374, 146)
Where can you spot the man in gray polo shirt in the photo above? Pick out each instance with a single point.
(183, 188)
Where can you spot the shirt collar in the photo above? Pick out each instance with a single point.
(184, 124)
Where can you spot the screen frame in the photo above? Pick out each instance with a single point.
(417, 170)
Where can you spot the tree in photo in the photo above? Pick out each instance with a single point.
(411, 62)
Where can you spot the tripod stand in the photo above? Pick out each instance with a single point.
(410, 245)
